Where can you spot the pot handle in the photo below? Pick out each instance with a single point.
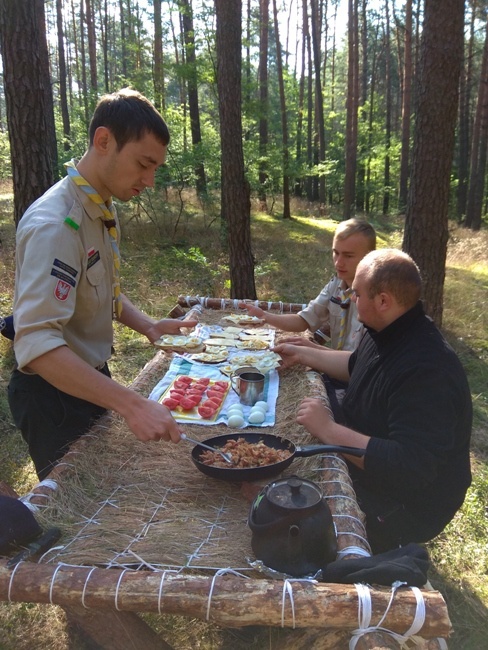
(313, 450)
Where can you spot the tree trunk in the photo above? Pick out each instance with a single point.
(426, 225)
(63, 96)
(236, 204)
(319, 100)
(351, 109)
(301, 100)
(192, 85)
(386, 193)
(284, 120)
(478, 148)
(158, 58)
(465, 122)
(406, 107)
(263, 101)
(92, 45)
(29, 113)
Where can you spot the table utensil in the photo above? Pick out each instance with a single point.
(240, 474)
(249, 386)
(226, 457)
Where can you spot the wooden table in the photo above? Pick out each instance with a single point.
(104, 590)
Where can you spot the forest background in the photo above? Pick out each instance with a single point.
(280, 121)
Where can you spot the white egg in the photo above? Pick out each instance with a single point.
(235, 420)
(237, 408)
(263, 406)
(256, 417)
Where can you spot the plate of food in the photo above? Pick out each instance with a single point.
(264, 362)
(252, 344)
(180, 343)
(243, 319)
(195, 399)
(211, 355)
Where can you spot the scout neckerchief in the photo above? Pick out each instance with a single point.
(345, 304)
(108, 214)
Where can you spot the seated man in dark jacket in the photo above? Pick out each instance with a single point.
(408, 404)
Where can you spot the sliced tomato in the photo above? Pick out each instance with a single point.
(180, 385)
(215, 393)
(196, 388)
(185, 379)
(219, 388)
(213, 401)
(203, 380)
(177, 391)
(206, 411)
(199, 386)
(197, 394)
(221, 384)
(187, 403)
(170, 403)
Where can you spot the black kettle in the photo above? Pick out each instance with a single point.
(292, 527)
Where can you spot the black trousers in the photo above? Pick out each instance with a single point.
(388, 524)
(49, 419)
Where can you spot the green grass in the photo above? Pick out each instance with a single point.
(168, 252)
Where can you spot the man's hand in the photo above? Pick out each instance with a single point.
(303, 341)
(290, 354)
(149, 420)
(168, 326)
(252, 309)
(313, 415)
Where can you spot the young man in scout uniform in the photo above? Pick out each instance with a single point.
(67, 289)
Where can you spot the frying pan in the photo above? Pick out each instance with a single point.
(265, 471)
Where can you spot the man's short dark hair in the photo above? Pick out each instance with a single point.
(392, 271)
(129, 116)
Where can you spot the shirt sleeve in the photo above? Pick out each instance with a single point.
(317, 311)
(49, 260)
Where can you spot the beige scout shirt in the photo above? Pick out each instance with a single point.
(321, 310)
(64, 276)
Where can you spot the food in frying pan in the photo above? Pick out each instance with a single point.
(245, 454)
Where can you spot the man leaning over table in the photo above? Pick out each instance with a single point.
(67, 289)
(408, 404)
(333, 307)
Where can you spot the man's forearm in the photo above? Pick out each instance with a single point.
(334, 363)
(66, 371)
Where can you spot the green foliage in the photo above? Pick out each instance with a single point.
(5, 168)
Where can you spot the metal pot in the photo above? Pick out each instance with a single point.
(292, 527)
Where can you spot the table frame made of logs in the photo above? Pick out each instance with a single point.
(105, 603)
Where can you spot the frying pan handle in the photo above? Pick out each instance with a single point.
(313, 450)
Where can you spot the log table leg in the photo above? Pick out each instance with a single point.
(112, 630)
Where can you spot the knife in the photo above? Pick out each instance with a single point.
(38, 546)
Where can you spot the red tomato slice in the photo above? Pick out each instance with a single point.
(203, 380)
(185, 379)
(214, 402)
(195, 396)
(182, 385)
(215, 393)
(187, 403)
(177, 391)
(221, 384)
(219, 388)
(205, 411)
(170, 403)
(198, 388)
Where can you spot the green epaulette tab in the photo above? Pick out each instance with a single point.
(70, 221)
